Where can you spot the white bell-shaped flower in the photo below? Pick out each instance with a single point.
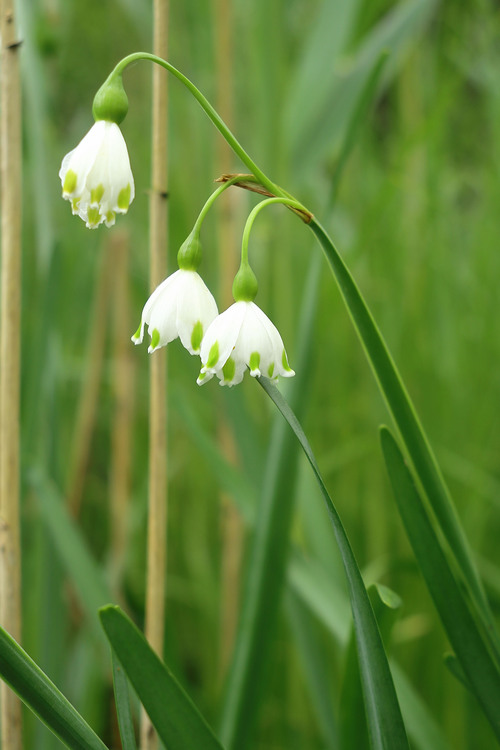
(96, 176)
(181, 306)
(241, 337)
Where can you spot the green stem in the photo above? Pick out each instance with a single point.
(253, 215)
(210, 111)
(211, 200)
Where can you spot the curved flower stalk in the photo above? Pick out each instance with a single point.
(96, 176)
(242, 336)
(181, 306)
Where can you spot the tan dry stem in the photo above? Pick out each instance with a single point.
(232, 531)
(10, 201)
(157, 515)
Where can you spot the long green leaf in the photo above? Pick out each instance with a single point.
(460, 625)
(178, 722)
(81, 567)
(405, 417)
(267, 561)
(122, 700)
(41, 695)
(352, 723)
(383, 713)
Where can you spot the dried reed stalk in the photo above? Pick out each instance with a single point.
(157, 516)
(10, 201)
(231, 522)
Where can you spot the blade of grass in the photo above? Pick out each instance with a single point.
(82, 569)
(384, 715)
(176, 719)
(405, 417)
(36, 690)
(352, 717)
(267, 560)
(453, 608)
(122, 700)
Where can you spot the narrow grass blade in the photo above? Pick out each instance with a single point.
(122, 700)
(176, 719)
(266, 567)
(40, 694)
(82, 569)
(353, 729)
(405, 417)
(383, 713)
(459, 623)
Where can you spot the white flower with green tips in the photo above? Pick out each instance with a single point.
(241, 337)
(96, 176)
(181, 306)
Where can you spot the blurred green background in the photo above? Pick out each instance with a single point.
(416, 218)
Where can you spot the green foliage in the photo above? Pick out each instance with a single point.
(383, 119)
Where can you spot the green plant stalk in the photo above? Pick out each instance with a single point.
(210, 111)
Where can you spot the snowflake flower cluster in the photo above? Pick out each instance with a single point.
(97, 179)
(241, 337)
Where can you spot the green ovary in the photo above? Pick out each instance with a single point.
(124, 198)
(155, 338)
(197, 336)
(96, 194)
(229, 369)
(213, 356)
(70, 181)
(254, 361)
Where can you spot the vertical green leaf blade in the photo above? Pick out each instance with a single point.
(461, 628)
(406, 419)
(122, 700)
(383, 713)
(41, 695)
(178, 722)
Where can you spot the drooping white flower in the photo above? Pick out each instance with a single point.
(181, 306)
(242, 336)
(96, 176)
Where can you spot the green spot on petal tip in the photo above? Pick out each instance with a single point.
(124, 198)
(213, 356)
(196, 336)
(70, 181)
(270, 370)
(137, 334)
(97, 193)
(155, 338)
(254, 361)
(284, 362)
(229, 369)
